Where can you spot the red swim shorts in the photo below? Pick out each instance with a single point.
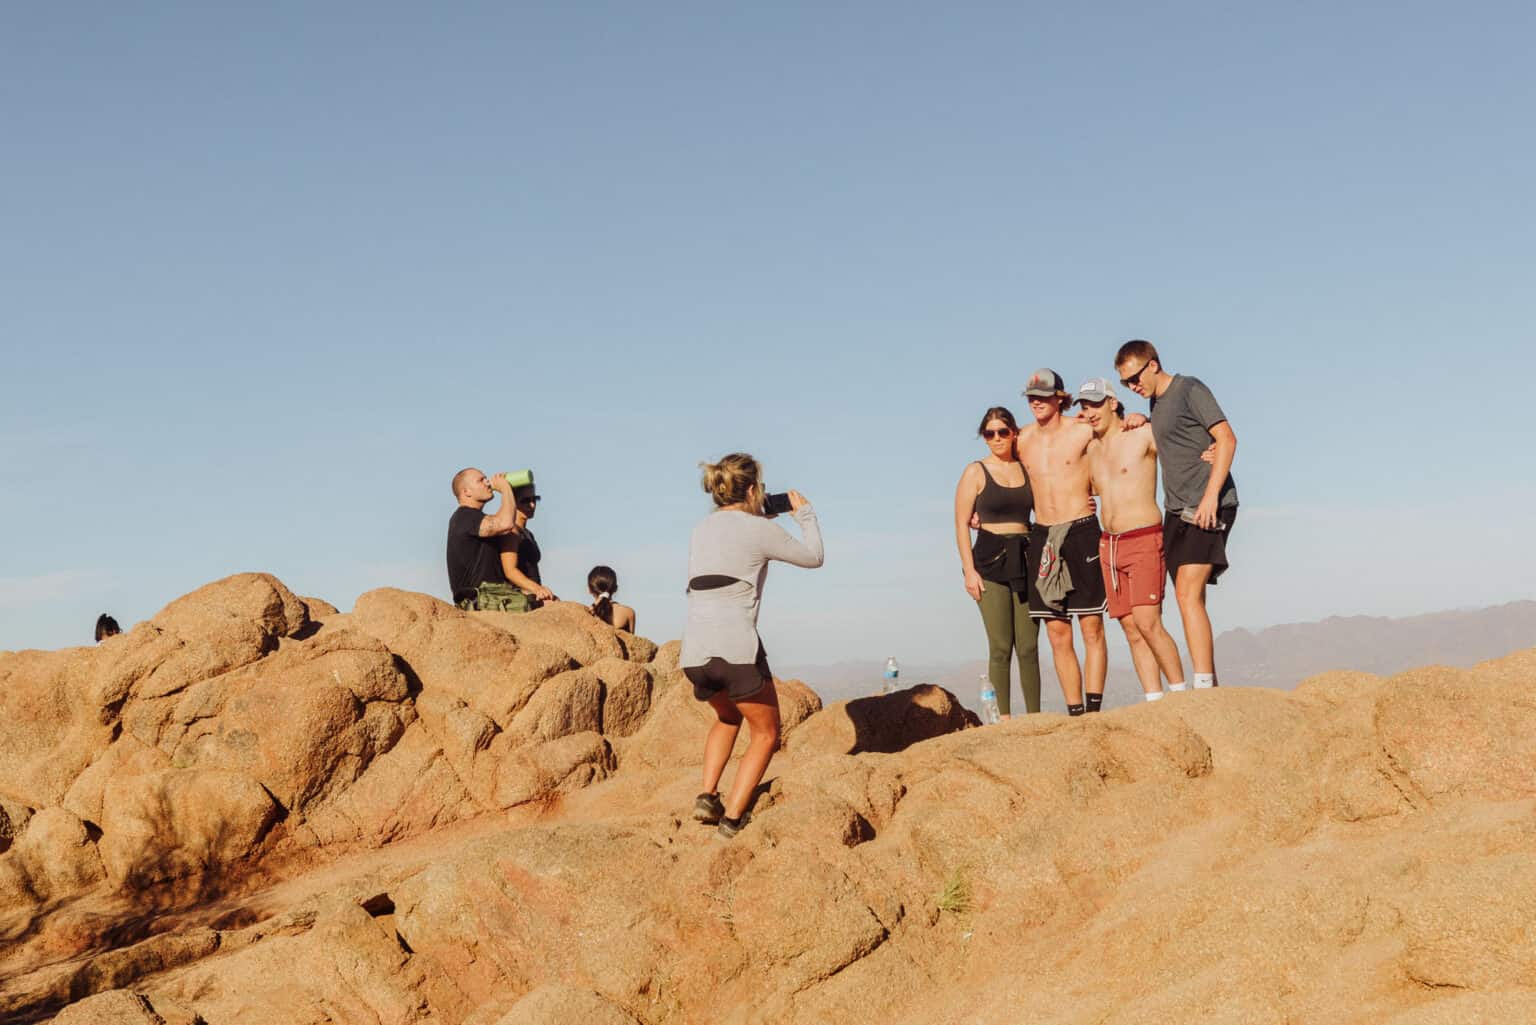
(1132, 564)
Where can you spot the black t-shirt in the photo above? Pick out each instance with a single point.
(528, 553)
(472, 559)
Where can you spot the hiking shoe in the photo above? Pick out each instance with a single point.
(708, 809)
(728, 828)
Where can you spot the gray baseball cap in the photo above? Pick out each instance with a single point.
(1045, 384)
(1095, 389)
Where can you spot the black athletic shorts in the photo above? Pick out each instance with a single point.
(1185, 544)
(1080, 552)
(738, 681)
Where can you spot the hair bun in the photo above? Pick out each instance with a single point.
(730, 480)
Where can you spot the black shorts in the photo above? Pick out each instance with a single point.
(1185, 544)
(1080, 552)
(738, 681)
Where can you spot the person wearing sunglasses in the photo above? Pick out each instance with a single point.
(1065, 582)
(520, 553)
(994, 494)
(1195, 450)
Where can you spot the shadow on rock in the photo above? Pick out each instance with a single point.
(884, 723)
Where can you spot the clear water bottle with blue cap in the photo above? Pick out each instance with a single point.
(892, 674)
(989, 713)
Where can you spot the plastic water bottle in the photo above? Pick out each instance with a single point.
(989, 713)
(892, 673)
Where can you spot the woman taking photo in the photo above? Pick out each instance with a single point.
(996, 490)
(722, 655)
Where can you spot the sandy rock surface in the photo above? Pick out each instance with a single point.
(254, 808)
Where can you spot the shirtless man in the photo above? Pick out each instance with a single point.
(1064, 543)
(1124, 467)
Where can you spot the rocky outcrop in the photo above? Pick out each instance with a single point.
(244, 728)
(172, 824)
(411, 814)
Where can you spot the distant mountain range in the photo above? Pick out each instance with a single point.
(1283, 656)
(1278, 656)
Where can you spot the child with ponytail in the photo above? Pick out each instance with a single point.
(602, 585)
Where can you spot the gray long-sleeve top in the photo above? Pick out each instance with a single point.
(722, 621)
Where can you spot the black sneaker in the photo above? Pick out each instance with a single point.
(708, 809)
(728, 827)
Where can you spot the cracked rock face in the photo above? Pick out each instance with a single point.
(254, 808)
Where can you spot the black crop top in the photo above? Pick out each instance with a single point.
(999, 504)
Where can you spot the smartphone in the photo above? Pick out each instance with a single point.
(1188, 516)
(773, 505)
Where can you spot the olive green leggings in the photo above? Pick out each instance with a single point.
(1010, 630)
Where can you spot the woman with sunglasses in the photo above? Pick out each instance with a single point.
(520, 553)
(995, 493)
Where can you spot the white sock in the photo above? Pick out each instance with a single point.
(1178, 686)
(1204, 680)
(1155, 695)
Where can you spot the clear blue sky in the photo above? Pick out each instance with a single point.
(272, 274)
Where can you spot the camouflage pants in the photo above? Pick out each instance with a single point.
(499, 597)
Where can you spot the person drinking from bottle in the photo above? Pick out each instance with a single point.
(474, 564)
(722, 654)
(995, 493)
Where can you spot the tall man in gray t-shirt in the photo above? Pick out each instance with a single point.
(1199, 496)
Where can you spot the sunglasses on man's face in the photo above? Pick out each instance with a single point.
(1135, 379)
(1002, 432)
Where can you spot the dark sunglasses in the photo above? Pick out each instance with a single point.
(1136, 377)
(1001, 432)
